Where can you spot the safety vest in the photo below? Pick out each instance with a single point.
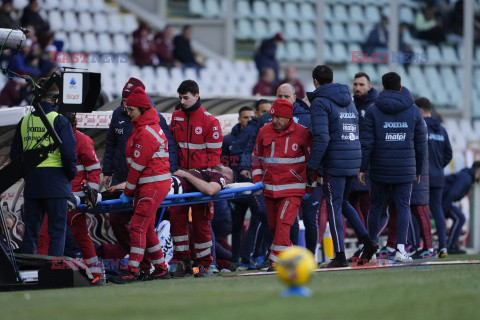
(33, 130)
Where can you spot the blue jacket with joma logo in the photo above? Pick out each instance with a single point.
(336, 146)
(439, 149)
(394, 138)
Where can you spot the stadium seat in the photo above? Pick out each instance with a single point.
(340, 13)
(130, 23)
(275, 10)
(339, 53)
(274, 26)
(291, 30)
(434, 55)
(372, 14)
(406, 15)
(98, 6)
(291, 11)
(196, 8)
(105, 43)
(355, 32)
(242, 9)
(56, 20)
(214, 8)
(449, 55)
(100, 22)
(85, 22)
(327, 13)
(309, 51)
(115, 23)
(356, 13)
(82, 5)
(282, 53)
(294, 51)
(260, 30)
(70, 22)
(243, 29)
(308, 11)
(338, 32)
(121, 44)
(76, 42)
(260, 9)
(91, 43)
(307, 30)
(66, 5)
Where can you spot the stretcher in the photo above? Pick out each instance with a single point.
(231, 192)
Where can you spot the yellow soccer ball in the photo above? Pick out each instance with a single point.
(295, 266)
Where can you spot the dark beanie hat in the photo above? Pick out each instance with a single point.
(130, 86)
(282, 108)
(138, 98)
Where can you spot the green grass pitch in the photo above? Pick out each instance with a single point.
(434, 292)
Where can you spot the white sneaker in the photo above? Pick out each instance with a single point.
(402, 257)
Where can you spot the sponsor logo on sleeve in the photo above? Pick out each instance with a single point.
(198, 130)
(136, 153)
(216, 135)
(295, 146)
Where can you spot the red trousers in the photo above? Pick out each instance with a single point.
(202, 239)
(120, 223)
(281, 214)
(77, 220)
(421, 213)
(142, 227)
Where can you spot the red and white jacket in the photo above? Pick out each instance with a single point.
(199, 137)
(88, 166)
(280, 160)
(147, 154)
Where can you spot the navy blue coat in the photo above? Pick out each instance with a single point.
(421, 191)
(50, 182)
(265, 57)
(458, 185)
(439, 150)
(394, 138)
(362, 104)
(234, 145)
(301, 115)
(120, 129)
(336, 146)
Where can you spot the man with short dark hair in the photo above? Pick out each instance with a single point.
(439, 155)
(199, 138)
(393, 141)
(335, 157)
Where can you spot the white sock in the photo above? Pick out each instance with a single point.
(390, 249)
(361, 246)
(78, 200)
(431, 249)
(99, 197)
(401, 248)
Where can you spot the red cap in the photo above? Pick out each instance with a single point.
(278, 37)
(282, 108)
(138, 99)
(130, 86)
